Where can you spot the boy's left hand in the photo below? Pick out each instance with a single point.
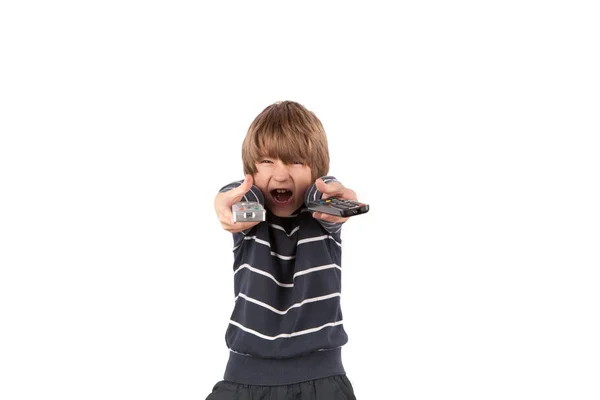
(333, 189)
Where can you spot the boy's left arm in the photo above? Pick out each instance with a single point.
(324, 188)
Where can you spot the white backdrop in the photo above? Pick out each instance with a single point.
(471, 129)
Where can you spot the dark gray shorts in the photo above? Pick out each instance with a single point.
(336, 387)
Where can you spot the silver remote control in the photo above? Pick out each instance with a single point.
(248, 211)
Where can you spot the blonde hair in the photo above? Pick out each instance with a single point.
(288, 131)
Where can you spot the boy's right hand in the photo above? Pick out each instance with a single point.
(225, 200)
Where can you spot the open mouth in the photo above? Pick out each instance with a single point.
(281, 197)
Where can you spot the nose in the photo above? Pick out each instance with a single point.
(280, 171)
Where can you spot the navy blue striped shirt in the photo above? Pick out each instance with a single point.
(286, 325)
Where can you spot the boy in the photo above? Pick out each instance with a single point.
(285, 333)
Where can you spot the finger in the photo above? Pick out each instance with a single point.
(322, 186)
(227, 216)
(240, 226)
(329, 218)
(239, 192)
(330, 189)
(349, 194)
(226, 219)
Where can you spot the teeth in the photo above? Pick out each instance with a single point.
(281, 190)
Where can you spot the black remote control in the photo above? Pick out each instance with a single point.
(338, 207)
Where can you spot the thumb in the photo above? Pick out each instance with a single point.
(240, 191)
(321, 186)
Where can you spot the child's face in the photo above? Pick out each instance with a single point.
(282, 184)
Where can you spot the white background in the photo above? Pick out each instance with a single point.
(470, 127)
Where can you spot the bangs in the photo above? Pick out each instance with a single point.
(287, 146)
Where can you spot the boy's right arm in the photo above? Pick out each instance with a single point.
(231, 194)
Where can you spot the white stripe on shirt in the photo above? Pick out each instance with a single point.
(261, 272)
(282, 229)
(300, 273)
(283, 312)
(320, 268)
(316, 239)
(285, 335)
